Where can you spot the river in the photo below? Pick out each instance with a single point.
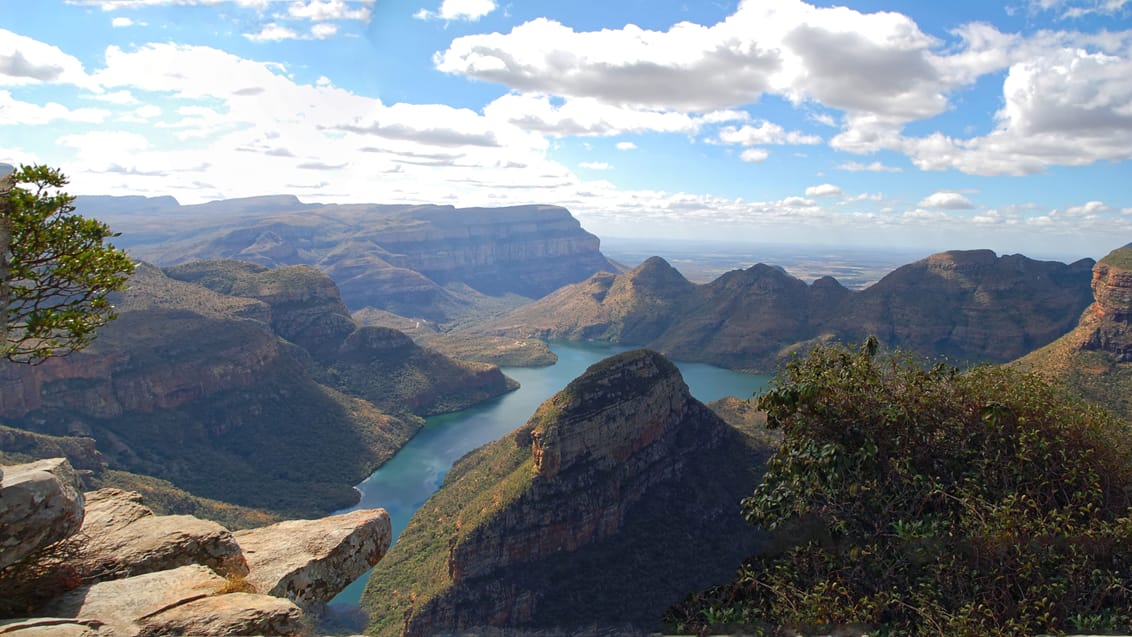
(402, 485)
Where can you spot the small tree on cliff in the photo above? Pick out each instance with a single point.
(56, 270)
(920, 500)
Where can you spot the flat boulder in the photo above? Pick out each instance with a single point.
(54, 627)
(230, 614)
(121, 537)
(311, 561)
(41, 503)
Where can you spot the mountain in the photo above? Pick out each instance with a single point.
(1095, 358)
(967, 305)
(264, 393)
(611, 502)
(438, 263)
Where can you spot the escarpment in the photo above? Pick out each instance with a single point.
(970, 306)
(582, 517)
(438, 263)
(219, 358)
(1095, 358)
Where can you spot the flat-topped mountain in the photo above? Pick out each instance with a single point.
(438, 263)
(244, 384)
(967, 305)
(1095, 358)
(618, 493)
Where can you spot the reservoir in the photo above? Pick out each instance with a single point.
(402, 485)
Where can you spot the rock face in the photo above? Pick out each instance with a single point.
(970, 306)
(581, 517)
(1095, 358)
(122, 536)
(40, 503)
(310, 561)
(130, 572)
(221, 357)
(408, 260)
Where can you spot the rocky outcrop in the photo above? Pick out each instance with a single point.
(580, 517)
(1095, 358)
(129, 572)
(967, 305)
(40, 503)
(309, 561)
(223, 356)
(120, 536)
(409, 260)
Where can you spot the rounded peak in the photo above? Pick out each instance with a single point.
(655, 271)
(961, 258)
(827, 283)
(370, 339)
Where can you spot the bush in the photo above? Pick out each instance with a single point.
(924, 501)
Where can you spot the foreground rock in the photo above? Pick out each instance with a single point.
(130, 572)
(311, 561)
(617, 497)
(123, 536)
(176, 602)
(40, 503)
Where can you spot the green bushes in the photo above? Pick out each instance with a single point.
(932, 502)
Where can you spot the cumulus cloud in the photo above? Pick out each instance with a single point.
(471, 10)
(121, 21)
(1070, 9)
(944, 200)
(823, 190)
(272, 32)
(765, 133)
(585, 116)
(754, 155)
(595, 165)
(626, 146)
(18, 113)
(24, 60)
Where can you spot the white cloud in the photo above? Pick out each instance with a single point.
(585, 116)
(754, 155)
(471, 10)
(323, 30)
(626, 146)
(322, 10)
(121, 21)
(24, 60)
(765, 133)
(112, 5)
(823, 190)
(1070, 9)
(272, 32)
(14, 112)
(875, 167)
(595, 165)
(1088, 209)
(944, 200)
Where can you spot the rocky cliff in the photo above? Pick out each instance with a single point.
(104, 564)
(433, 262)
(1095, 358)
(190, 379)
(617, 494)
(970, 306)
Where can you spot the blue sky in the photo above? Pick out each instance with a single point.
(959, 124)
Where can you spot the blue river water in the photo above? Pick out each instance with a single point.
(402, 485)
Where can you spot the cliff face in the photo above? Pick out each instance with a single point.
(970, 306)
(619, 492)
(1095, 358)
(190, 378)
(409, 260)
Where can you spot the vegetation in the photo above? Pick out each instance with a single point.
(55, 268)
(917, 501)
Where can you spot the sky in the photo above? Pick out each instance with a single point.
(943, 125)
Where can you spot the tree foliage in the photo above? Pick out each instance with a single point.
(56, 268)
(924, 501)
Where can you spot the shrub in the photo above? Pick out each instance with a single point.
(919, 500)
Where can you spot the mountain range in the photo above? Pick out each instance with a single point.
(969, 306)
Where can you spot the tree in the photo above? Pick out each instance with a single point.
(56, 271)
(920, 500)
